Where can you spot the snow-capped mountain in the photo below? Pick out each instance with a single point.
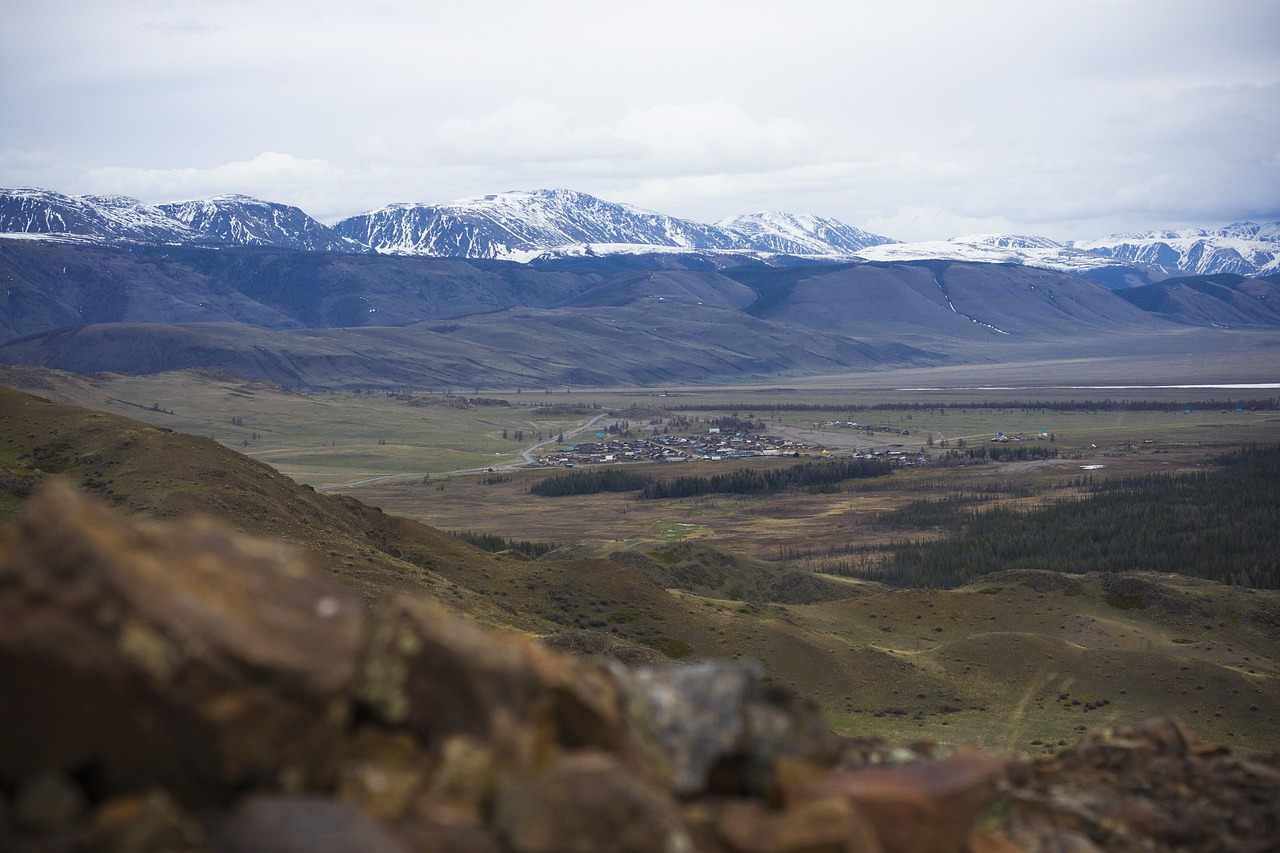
(1040, 252)
(522, 225)
(1243, 248)
(548, 225)
(52, 215)
(800, 234)
(240, 220)
(228, 220)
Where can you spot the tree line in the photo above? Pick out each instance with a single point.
(494, 543)
(1104, 405)
(1221, 525)
(740, 482)
(590, 482)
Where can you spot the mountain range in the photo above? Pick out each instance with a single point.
(266, 292)
(550, 225)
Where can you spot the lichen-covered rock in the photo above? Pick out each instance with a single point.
(588, 802)
(380, 771)
(181, 655)
(724, 728)
(441, 677)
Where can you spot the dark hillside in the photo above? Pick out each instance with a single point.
(941, 300)
(645, 343)
(51, 285)
(159, 473)
(1211, 300)
(697, 288)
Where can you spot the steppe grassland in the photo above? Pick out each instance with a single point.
(336, 441)
(325, 439)
(785, 525)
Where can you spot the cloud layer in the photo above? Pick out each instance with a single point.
(921, 120)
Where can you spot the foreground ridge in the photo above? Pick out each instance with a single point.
(179, 686)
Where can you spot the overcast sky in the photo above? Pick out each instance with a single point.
(917, 119)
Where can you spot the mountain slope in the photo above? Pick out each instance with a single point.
(239, 220)
(644, 343)
(1223, 300)
(159, 473)
(32, 211)
(945, 301)
(226, 220)
(517, 225)
(802, 234)
(50, 285)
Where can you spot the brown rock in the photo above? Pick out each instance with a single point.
(588, 802)
(294, 824)
(145, 823)
(179, 654)
(440, 676)
(919, 806)
(832, 825)
(435, 825)
(1145, 787)
(420, 838)
(380, 771)
(465, 773)
(981, 841)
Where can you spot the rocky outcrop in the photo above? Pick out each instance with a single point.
(177, 686)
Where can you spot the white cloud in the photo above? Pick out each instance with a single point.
(930, 116)
(309, 184)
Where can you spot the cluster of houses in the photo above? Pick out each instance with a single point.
(712, 446)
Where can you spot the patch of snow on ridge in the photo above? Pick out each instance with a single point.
(1039, 252)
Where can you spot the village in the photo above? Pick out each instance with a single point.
(712, 446)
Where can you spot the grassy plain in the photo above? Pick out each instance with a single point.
(1020, 663)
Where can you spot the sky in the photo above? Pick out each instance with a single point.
(915, 119)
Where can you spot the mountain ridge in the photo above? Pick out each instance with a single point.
(241, 220)
(553, 224)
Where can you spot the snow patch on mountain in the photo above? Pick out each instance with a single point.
(1039, 252)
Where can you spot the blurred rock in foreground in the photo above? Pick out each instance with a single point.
(179, 687)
